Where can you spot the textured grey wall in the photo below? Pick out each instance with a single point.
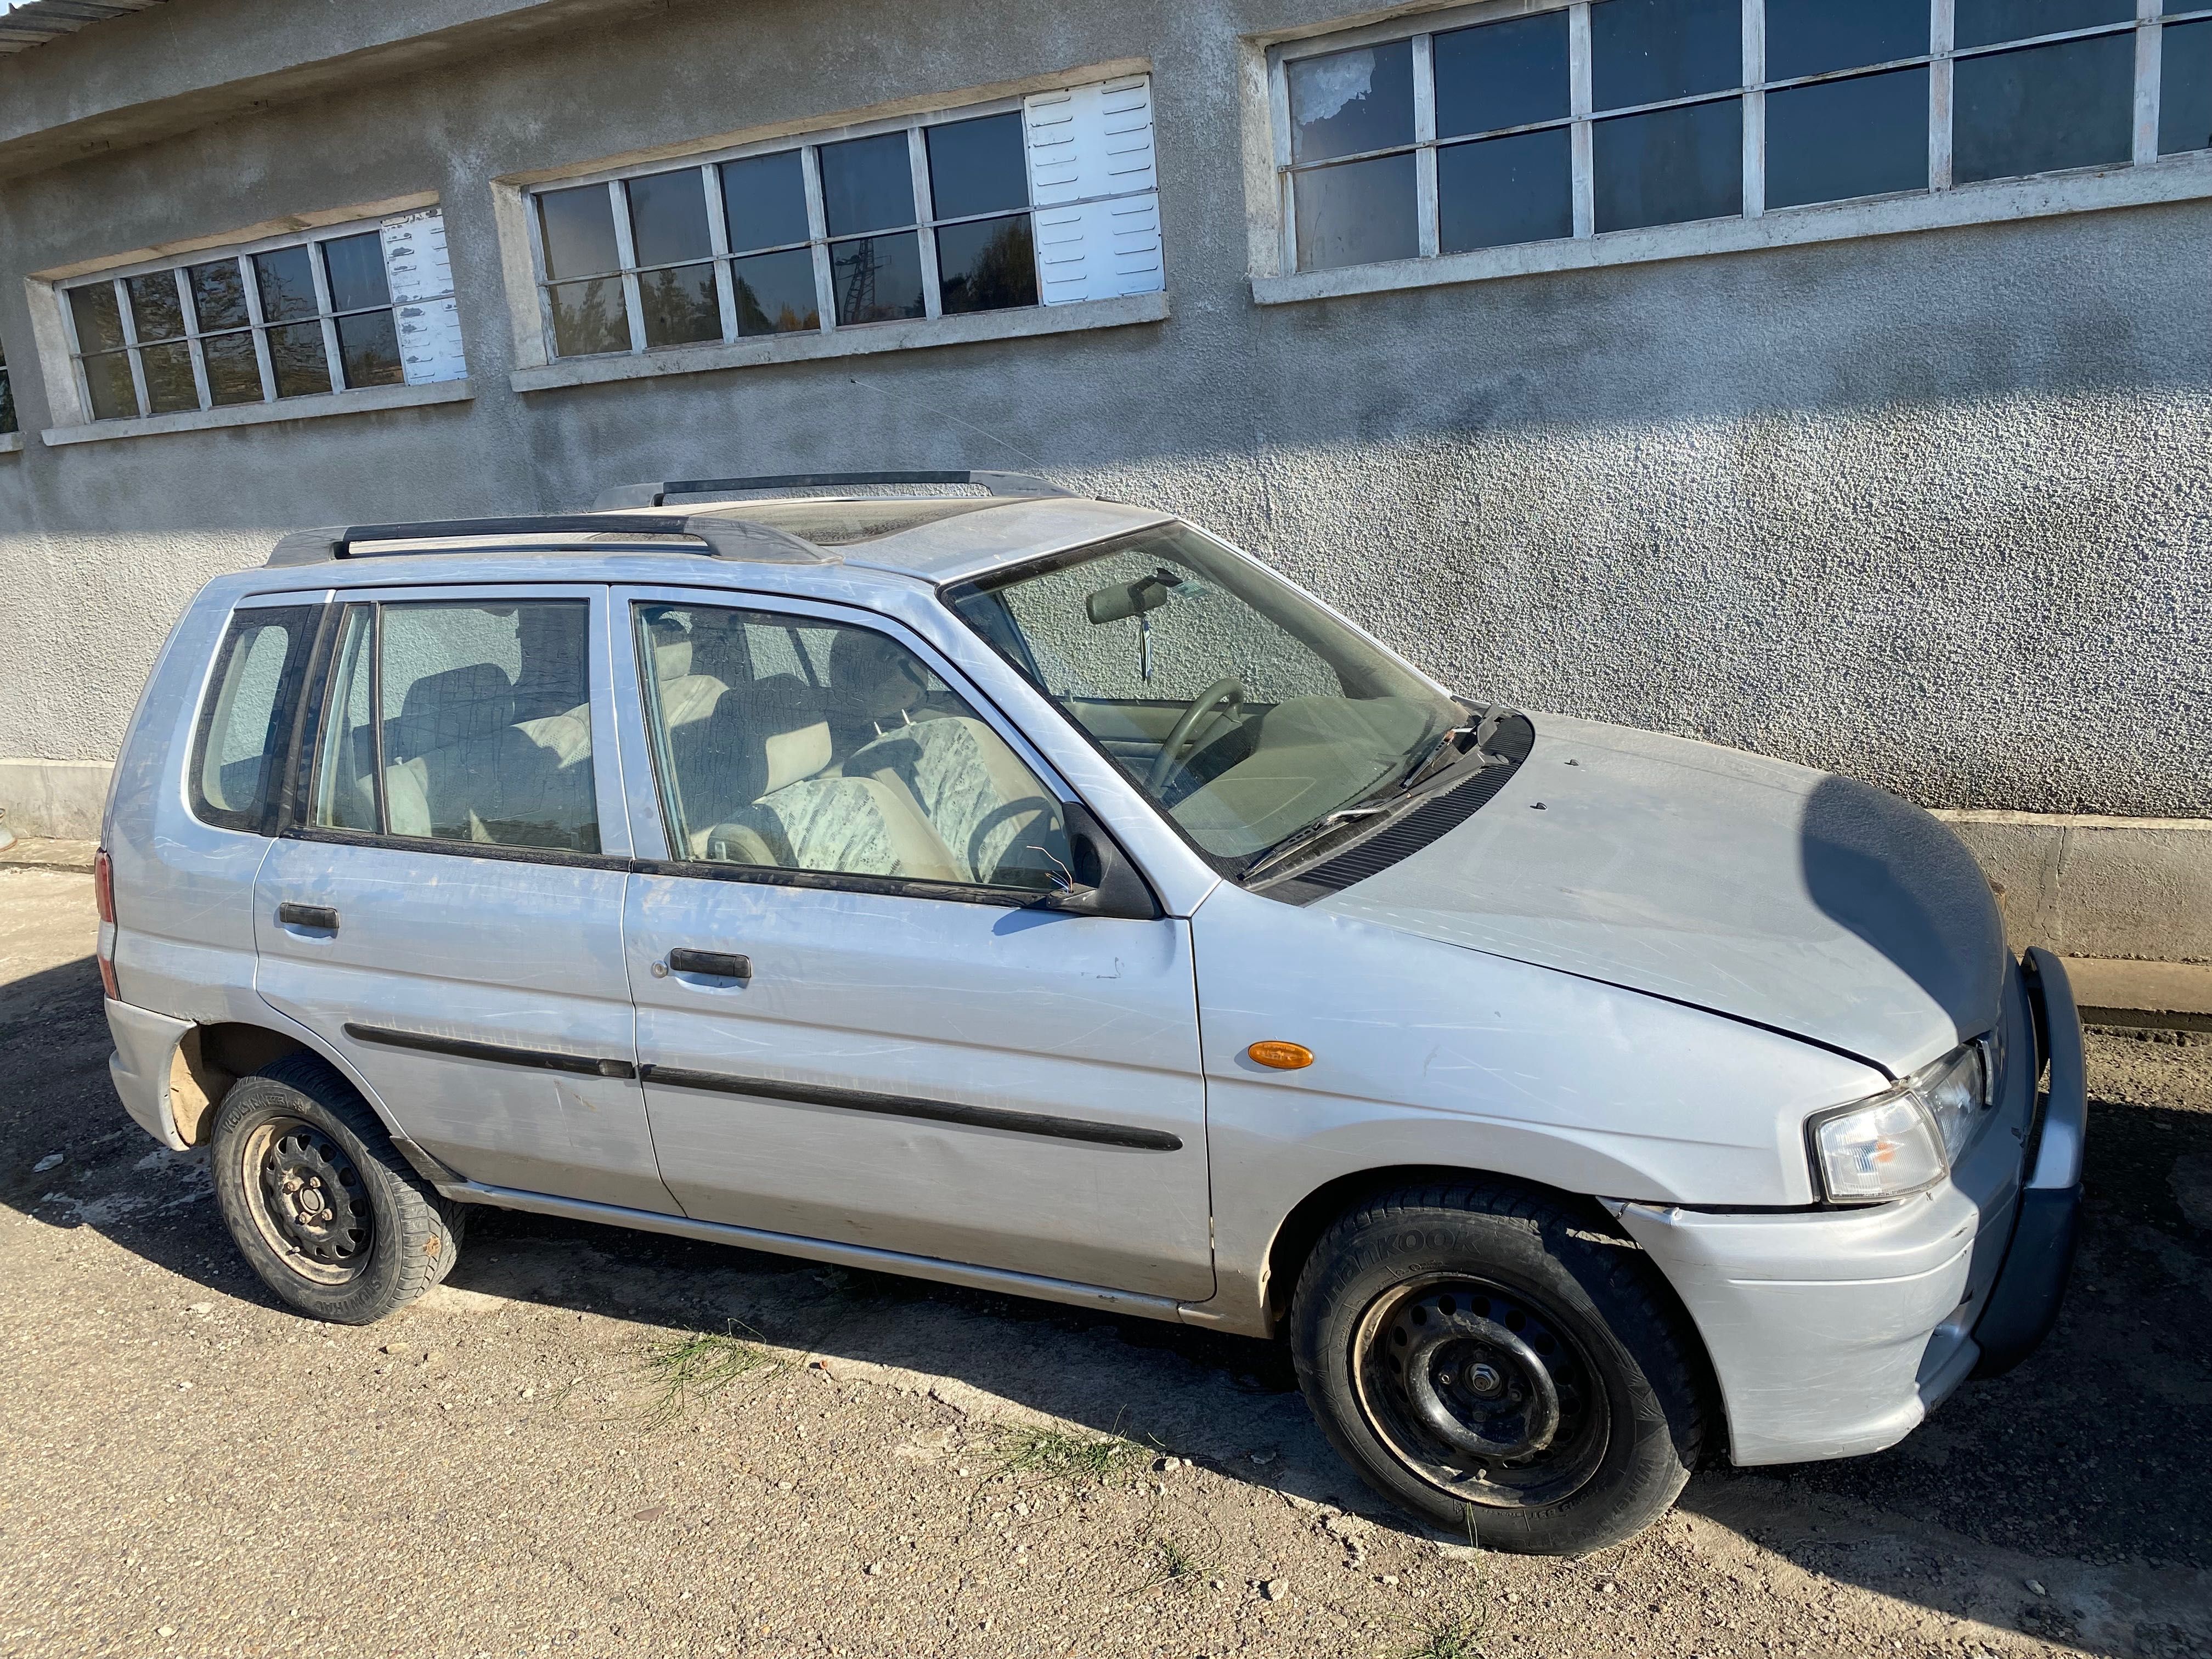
(1931, 509)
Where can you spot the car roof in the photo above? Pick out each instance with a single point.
(936, 540)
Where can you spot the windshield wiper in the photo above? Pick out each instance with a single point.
(1319, 829)
(1434, 760)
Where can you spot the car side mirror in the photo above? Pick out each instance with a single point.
(1106, 883)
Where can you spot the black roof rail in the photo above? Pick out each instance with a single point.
(657, 494)
(724, 538)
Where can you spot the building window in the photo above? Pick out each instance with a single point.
(7, 398)
(1603, 116)
(1036, 201)
(333, 311)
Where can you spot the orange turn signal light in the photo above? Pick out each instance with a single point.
(1282, 1056)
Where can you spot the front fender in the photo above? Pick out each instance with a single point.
(1435, 1055)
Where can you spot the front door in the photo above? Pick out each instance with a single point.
(853, 1024)
(445, 916)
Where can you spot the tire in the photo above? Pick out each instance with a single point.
(1554, 1353)
(365, 1235)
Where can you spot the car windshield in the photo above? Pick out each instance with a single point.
(1247, 711)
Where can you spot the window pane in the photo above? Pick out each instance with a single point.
(668, 217)
(681, 306)
(107, 379)
(233, 371)
(1344, 103)
(877, 279)
(1503, 74)
(288, 284)
(868, 184)
(1501, 190)
(1986, 23)
(1670, 167)
(776, 293)
(987, 266)
(2184, 107)
(368, 350)
(1813, 37)
(589, 318)
(169, 384)
(1645, 50)
(580, 231)
(353, 267)
(7, 403)
(977, 167)
(2067, 105)
(461, 763)
(155, 310)
(1839, 139)
(296, 354)
(345, 765)
(218, 294)
(245, 726)
(99, 323)
(1357, 213)
(866, 764)
(764, 201)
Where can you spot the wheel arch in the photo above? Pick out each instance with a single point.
(212, 1058)
(1301, 1229)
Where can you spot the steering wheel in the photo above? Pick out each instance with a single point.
(1228, 692)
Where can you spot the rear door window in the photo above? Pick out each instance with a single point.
(246, 724)
(461, 722)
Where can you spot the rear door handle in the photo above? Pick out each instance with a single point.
(322, 918)
(710, 964)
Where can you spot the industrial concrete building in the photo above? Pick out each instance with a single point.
(1832, 380)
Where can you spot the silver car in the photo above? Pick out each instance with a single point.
(1036, 893)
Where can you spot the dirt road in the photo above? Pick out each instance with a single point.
(595, 1442)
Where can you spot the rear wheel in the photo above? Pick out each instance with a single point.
(1484, 1358)
(320, 1202)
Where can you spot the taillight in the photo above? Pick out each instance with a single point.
(103, 892)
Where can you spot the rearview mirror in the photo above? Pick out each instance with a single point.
(1127, 599)
(1106, 883)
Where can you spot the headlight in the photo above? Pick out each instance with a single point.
(1907, 1139)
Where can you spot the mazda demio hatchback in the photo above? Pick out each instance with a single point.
(1037, 894)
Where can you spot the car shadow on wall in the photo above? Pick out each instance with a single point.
(2090, 1456)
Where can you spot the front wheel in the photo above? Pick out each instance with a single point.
(320, 1202)
(1486, 1359)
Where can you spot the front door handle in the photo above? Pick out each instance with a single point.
(322, 918)
(710, 964)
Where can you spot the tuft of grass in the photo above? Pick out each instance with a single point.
(1061, 1454)
(1170, 1558)
(1455, 1634)
(695, 1367)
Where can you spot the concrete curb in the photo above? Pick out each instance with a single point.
(34, 853)
(2159, 996)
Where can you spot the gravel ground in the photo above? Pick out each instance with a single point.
(595, 1442)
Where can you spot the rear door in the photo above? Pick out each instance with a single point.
(446, 910)
(854, 1024)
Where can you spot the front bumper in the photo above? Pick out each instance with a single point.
(1833, 1333)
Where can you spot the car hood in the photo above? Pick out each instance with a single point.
(1800, 901)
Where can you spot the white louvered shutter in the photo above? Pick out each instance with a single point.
(1096, 188)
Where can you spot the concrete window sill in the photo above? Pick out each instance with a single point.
(364, 402)
(10, 442)
(2174, 178)
(1028, 323)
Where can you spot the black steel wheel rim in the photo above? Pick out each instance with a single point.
(309, 1199)
(1481, 1391)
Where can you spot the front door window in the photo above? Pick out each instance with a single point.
(797, 744)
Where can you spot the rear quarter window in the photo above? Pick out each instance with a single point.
(245, 732)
